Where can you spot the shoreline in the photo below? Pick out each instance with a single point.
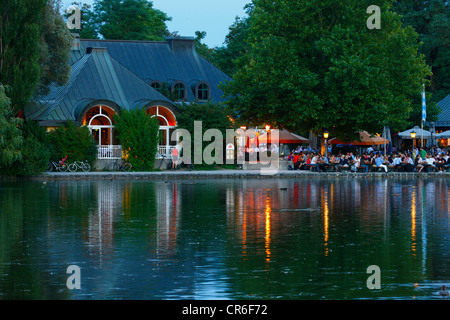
(217, 174)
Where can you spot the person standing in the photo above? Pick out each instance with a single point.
(174, 158)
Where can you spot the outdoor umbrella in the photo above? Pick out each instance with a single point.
(407, 134)
(366, 140)
(285, 137)
(443, 135)
(251, 138)
(387, 136)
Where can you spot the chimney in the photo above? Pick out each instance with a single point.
(76, 42)
(89, 50)
(178, 43)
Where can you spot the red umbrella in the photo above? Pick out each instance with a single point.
(285, 137)
(366, 140)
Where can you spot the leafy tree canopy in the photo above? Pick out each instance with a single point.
(138, 133)
(55, 47)
(227, 57)
(20, 30)
(11, 139)
(314, 65)
(124, 20)
(34, 48)
(431, 20)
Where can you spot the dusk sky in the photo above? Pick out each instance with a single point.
(188, 16)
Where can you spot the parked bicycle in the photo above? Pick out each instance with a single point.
(163, 164)
(85, 166)
(58, 166)
(120, 165)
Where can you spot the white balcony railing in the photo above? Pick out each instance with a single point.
(109, 152)
(164, 152)
(115, 152)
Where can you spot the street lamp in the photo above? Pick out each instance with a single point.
(326, 135)
(413, 136)
(268, 137)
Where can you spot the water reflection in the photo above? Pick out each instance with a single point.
(287, 238)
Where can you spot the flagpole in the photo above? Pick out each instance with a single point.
(424, 112)
(421, 139)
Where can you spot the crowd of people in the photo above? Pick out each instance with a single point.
(433, 160)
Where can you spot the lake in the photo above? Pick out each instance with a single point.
(304, 238)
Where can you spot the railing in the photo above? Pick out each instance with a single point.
(164, 150)
(115, 152)
(109, 152)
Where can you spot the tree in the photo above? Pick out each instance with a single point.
(138, 133)
(227, 57)
(314, 65)
(55, 47)
(127, 20)
(431, 20)
(72, 141)
(34, 48)
(10, 136)
(201, 48)
(20, 30)
(36, 150)
(211, 116)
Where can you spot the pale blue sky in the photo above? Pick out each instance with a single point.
(188, 16)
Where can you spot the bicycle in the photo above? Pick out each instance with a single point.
(60, 166)
(163, 159)
(85, 166)
(124, 166)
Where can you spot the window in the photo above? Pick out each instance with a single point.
(180, 91)
(203, 92)
(156, 85)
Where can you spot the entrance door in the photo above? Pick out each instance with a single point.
(102, 135)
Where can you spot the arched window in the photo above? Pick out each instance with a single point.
(202, 92)
(180, 91)
(167, 125)
(156, 85)
(99, 120)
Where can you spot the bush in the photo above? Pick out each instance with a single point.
(35, 150)
(11, 139)
(138, 133)
(212, 116)
(75, 142)
(35, 158)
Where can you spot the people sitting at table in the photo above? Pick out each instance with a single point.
(440, 162)
(401, 162)
(418, 163)
(379, 163)
(429, 163)
(315, 160)
(295, 157)
(397, 163)
(358, 164)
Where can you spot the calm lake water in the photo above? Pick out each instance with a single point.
(225, 239)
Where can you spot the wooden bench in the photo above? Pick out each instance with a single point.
(311, 167)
